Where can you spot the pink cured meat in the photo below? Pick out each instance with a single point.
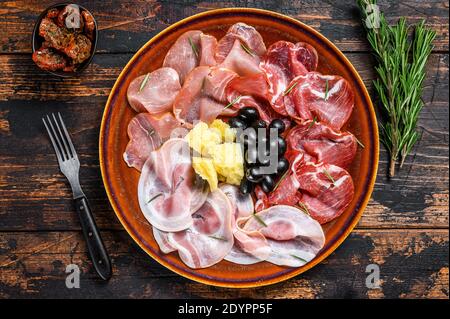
(208, 47)
(328, 98)
(249, 247)
(162, 238)
(168, 190)
(247, 35)
(293, 236)
(158, 92)
(282, 62)
(325, 198)
(240, 61)
(210, 237)
(322, 144)
(147, 132)
(202, 96)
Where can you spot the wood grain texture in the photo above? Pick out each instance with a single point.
(126, 25)
(33, 264)
(404, 228)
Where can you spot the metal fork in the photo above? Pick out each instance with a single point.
(70, 167)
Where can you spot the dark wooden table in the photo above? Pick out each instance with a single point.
(404, 228)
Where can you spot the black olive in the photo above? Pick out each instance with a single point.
(248, 114)
(280, 143)
(246, 186)
(235, 122)
(253, 174)
(251, 155)
(265, 159)
(283, 166)
(259, 124)
(247, 137)
(278, 125)
(267, 184)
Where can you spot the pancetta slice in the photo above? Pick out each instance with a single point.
(249, 247)
(320, 143)
(154, 92)
(168, 190)
(247, 35)
(147, 132)
(326, 189)
(202, 96)
(328, 98)
(210, 238)
(294, 237)
(143, 140)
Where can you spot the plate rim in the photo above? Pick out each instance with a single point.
(340, 238)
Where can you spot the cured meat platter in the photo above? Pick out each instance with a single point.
(222, 71)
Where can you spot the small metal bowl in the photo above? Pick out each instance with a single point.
(37, 40)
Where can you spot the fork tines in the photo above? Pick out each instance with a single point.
(59, 137)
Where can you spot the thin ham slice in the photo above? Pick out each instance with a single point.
(147, 132)
(202, 96)
(247, 35)
(241, 61)
(168, 190)
(249, 247)
(210, 238)
(327, 190)
(208, 47)
(322, 144)
(162, 238)
(157, 93)
(328, 98)
(294, 237)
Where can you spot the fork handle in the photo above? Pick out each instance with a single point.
(96, 248)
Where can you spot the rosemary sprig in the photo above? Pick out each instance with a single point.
(193, 46)
(289, 89)
(232, 102)
(303, 207)
(401, 72)
(259, 219)
(218, 238)
(360, 143)
(144, 82)
(329, 176)
(299, 258)
(313, 122)
(247, 49)
(326, 90)
(154, 197)
(279, 181)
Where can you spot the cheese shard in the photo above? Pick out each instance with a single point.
(205, 168)
(229, 162)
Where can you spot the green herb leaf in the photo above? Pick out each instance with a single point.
(359, 143)
(259, 219)
(329, 176)
(247, 49)
(299, 258)
(401, 72)
(279, 181)
(303, 207)
(218, 238)
(289, 89)
(232, 102)
(144, 82)
(193, 46)
(154, 197)
(326, 90)
(313, 122)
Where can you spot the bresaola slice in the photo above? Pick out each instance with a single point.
(154, 92)
(328, 98)
(294, 237)
(326, 189)
(168, 189)
(320, 143)
(210, 237)
(147, 132)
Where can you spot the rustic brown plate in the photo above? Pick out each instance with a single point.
(121, 181)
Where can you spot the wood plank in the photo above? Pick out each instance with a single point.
(127, 25)
(413, 264)
(35, 196)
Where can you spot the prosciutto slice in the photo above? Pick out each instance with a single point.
(327, 190)
(210, 237)
(202, 96)
(241, 61)
(147, 132)
(154, 92)
(168, 190)
(294, 237)
(249, 247)
(320, 143)
(328, 98)
(247, 35)
(162, 238)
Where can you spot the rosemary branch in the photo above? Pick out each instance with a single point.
(401, 72)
